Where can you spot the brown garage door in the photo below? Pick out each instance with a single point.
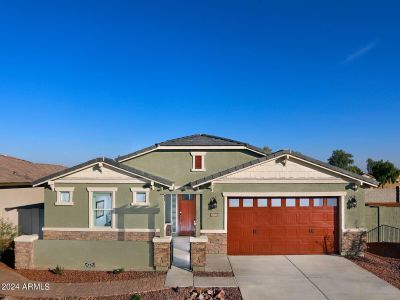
(298, 225)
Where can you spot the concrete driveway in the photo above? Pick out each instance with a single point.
(307, 277)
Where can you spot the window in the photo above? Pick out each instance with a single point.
(304, 202)
(64, 195)
(102, 209)
(170, 210)
(276, 202)
(101, 206)
(248, 202)
(198, 161)
(318, 202)
(187, 197)
(233, 202)
(332, 201)
(140, 196)
(262, 202)
(290, 202)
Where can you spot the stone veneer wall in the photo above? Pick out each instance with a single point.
(198, 249)
(354, 242)
(217, 243)
(162, 253)
(98, 235)
(23, 246)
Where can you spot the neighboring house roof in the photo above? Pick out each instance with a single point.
(277, 154)
(196, 140)
(16, 172)
(107, 161)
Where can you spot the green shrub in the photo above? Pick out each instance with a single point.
(8, 231)
(136, 297)
(118, 271)
(58, 270)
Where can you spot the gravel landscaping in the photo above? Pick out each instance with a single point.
(71, 276)
(172, 294)
(384, 267)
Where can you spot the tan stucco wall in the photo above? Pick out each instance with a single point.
(18, 197)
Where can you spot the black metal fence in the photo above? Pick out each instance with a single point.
(384, 234)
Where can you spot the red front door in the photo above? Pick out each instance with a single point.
(186, 214)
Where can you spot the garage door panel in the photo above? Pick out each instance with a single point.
(286, 229)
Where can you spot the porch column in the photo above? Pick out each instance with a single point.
(198, 214)
(198, 249)
(24, 251)
(162, 253)
(161, 218)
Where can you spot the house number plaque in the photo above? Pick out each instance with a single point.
(213, 214)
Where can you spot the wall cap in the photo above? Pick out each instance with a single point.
(200, 239)
(166, 239)
(362, 229)
(26, 238)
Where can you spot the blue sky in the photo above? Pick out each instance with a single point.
(103, 78)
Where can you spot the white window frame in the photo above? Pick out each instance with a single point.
(135, 190)
(112, 191)
(203, 167)
(69, 190)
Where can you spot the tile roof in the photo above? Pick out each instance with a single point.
(195, 140)
(110, 162)
(16, 171)
(277, 154)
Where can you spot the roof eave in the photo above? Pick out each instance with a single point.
(356, 177)
(107, 161)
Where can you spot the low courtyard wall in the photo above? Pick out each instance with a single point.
(93, 255)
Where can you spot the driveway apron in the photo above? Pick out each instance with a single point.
(307, 277)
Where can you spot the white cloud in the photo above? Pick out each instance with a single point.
(360, 52)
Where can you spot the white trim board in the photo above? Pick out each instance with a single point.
(97, 229)
(284, 194)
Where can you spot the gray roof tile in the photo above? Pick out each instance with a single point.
(194, 140)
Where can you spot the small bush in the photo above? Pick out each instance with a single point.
(118, 271)
(136, 297)
(8, 231)
(57, 270)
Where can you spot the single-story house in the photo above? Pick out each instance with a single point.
(229, 196)
(20, 203)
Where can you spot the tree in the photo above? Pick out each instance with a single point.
(355, 169)
(344, 160)
(383, 171)
(370, 164)
(341, 159)
(267, 149)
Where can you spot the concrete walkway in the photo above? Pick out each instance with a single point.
(307, 277)
(177, 277)
(181, 252)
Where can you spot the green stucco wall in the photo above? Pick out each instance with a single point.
(387, 215)
(176, 165)
(127, 216)
(106, 255)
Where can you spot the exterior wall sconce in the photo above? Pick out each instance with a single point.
(212, 204)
